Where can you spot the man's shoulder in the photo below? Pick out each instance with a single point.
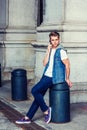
(60, 46)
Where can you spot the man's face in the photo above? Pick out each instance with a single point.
(54, 41)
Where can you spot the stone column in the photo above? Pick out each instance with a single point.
(3, 25)
(20, 32)
(75, 21)
(22, 20)
(64, 16)
(68, 17)
(70, 21)
(53, 17)
(53, 12)
(74, 37)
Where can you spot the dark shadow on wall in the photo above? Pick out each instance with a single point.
(40, 12)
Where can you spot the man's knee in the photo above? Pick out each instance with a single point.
(34, 91)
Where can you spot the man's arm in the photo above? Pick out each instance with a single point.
(46, 58)
(67, 65)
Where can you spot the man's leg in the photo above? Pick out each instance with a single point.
(38, 92)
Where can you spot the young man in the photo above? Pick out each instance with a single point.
(57, 70)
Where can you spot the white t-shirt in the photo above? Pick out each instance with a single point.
(63, 54)
(50, 67)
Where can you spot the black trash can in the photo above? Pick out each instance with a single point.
(0, 77)
(59, 100)
(19, 84)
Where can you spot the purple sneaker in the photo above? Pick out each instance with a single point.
(23, 121)
(48, 116)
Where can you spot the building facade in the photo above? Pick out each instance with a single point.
(24, 30)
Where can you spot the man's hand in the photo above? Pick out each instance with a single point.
(46, 58)
(69, 83)
(49, 48)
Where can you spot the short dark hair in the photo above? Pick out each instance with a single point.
(54, 33)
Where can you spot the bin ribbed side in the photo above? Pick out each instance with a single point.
(59, 99)
(19, 84)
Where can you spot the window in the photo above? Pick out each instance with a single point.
(40, 12)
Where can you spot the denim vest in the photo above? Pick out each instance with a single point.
(58, 73)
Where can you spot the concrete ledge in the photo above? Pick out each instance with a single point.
(6, 75)
(78, 92)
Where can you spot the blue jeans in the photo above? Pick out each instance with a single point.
(38, 91)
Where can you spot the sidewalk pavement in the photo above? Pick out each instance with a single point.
(78, 110)
(5, 124)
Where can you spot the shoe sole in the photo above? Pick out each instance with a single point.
(50, 115)
(22, 122)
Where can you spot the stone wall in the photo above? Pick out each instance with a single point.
(23, 44)
(17, 34)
